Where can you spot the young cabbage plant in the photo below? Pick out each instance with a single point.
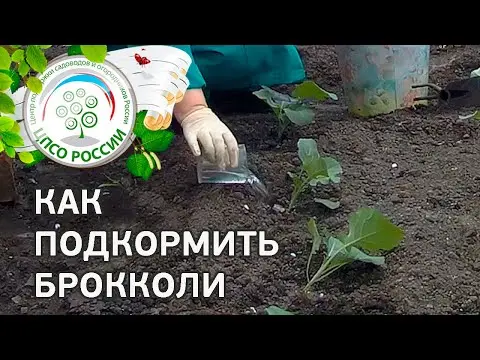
(369, 231)
(295, 108)
(314, 170)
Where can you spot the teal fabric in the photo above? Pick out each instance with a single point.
(240, 67)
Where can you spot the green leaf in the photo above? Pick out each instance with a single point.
(5, 60)
(16, 46)
(2, 147)
(274, 98)
(25, 157)
(44, 47)
(23, 68)
(34, 84)
(334, 169)
(94, 53)
(18, 55)
(275, 310)
(319, 169)
(15, 128)
(12, 139)
(7, 106)
(139, 128)
(312, 163)
(300, 116)
(6, 123)
(340, 255)
(316, 242)
(138, 166)
(10, 151)
(316, 238)
(308, 90)
(5, 81)
(15, 79)
(36, 58)
(307, 150)
(328, 203)
(358, 255)
(372, 231)
(37, 157)
(157, 141)
(337, 253)
(74, 50)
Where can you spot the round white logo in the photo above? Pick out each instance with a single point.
(84, 116)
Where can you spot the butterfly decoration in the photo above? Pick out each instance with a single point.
(141, 60)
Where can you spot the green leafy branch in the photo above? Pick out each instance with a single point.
(369, 231)
(314, 170)
(10, 138)
(148, 143)
(21, 64)
(17, 65)
(94, 53)
(297, 108)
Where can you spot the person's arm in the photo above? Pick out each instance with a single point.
(204, 132)
(194, 99)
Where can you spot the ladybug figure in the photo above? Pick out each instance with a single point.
(142, 61)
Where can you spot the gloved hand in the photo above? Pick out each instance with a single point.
(208, 136)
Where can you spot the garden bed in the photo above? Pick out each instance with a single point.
(433, 194)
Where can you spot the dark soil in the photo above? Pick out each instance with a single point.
(433, 195)
(7, 180)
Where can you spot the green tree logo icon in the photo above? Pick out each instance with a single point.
(75, 111)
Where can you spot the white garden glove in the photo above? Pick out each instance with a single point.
(209, 137)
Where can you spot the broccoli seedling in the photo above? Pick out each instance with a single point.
(295, 108)
(369, 230)
(314, 170)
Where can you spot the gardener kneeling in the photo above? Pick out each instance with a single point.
(227, 68)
